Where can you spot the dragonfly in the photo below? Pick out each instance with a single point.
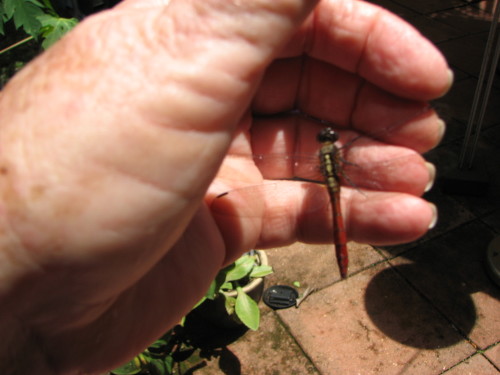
(329, 167)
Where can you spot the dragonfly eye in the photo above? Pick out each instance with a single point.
(327, 135)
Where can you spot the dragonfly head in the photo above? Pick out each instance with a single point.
(327, 135)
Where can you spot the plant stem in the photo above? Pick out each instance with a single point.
(16, 45)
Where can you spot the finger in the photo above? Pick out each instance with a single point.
(352, 103)
(363, 38)
(377, 218)
(395, 120)
(282, 212)
(344, 99)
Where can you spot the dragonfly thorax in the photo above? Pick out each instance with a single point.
(327, 135)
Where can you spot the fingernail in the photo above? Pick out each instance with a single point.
(432, 176)
(434, 220)
(441, 130)
(451, 77)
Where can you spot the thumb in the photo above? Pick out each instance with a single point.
(136, 105)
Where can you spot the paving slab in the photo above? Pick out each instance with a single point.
(450, 273)
(476, 365)
(474, 44)
(493, 354)
(435, 30)
(316, 265)
(396, 8)
(374, 323)
(467, 19)
(269, 350)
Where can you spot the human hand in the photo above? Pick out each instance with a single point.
(364, 70)
(110, 140)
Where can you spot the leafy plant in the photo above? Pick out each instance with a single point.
(160, 357)
(166, 355)
(233, 278)
(54, 28)
(37, 19)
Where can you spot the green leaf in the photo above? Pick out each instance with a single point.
(25, 14)
(261, 271)
(215, 286)
(2, 20)
(158, 367)
(296, 284)
(229, 303)
(169, 363)
(212, 290)
(130, 368)
(247, 310)
(37, 3)
(158, 346)
(48, 5)
(241, 268)
(9, 7)
(54, 28)
(227, 286)
(168, 335)
(243, 259)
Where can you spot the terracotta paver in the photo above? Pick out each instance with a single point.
(401, 11)
(466, 19)
(493, 354)
(269, 350)
(475, 45)
(373, 323)
(435, 30)
(450, 215)
(476, 365)
(450, 273)
(315, 265)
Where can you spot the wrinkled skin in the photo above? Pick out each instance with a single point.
(111, 143)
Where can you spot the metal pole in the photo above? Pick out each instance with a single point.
(477, 96)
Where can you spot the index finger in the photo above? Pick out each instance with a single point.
(363, 38)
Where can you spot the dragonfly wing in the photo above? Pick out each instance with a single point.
(283, 166)
(395, 169)
(375, 167)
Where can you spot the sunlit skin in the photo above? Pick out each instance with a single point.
(114, 143)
